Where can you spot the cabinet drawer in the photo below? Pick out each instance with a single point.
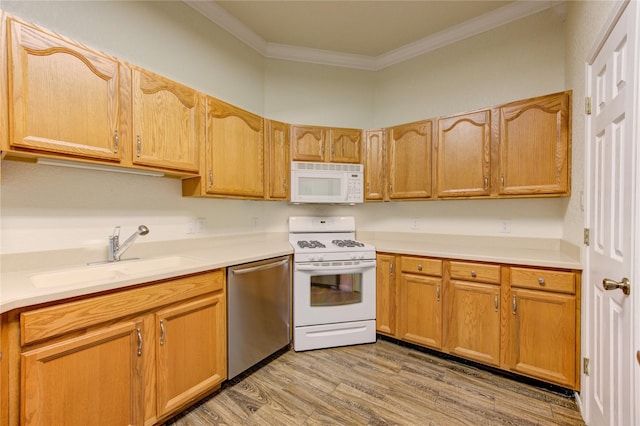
(542, 279)
(421, 265)
(470, 271)
(66, 317)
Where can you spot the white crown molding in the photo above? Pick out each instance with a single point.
(502, 16)
(215, 13)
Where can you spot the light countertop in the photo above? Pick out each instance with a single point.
(544, 252)
(17, 288)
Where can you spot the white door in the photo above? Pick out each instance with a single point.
(611, 197)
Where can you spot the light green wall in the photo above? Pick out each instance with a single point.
(522, 59)
(519, 60)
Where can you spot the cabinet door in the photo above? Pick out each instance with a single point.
(386, 294)
(535, 146)
(166, 123)
(279, 166)
(191, 350)
(420, 310)
(235, 151)
(463, 155)
(308, 143)
(346, 145)
(543, 336)
(93, 379)
(409, 157)
(64, 98)
(474, 321)
(374, 165)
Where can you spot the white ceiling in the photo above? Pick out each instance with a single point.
(358, 33)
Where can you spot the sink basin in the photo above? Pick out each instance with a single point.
(157, 264)
(70, 277)
(116, 271)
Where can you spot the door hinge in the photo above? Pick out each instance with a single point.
(585, 366)
(586, 236)
(587, 105)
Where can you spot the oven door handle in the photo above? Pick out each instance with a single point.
(352, 268)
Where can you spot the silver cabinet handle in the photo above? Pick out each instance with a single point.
(438, 293)
(515, 306)
(624, 285)
(210, 178)
(261, 267)
(502, 181)
(162, 332)
(139, 144)
(117, 143)
(474, 274)
(419, 267)
(390, 268)
(495, 302)
(486, 182)
(541, 281)
(139, 341)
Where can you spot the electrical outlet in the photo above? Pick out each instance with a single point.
(415, 223)
(191, 226)
(505, 226)
(255, 222)
(201, 225)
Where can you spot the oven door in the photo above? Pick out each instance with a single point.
(334, 292)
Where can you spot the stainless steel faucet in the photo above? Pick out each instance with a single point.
(116, 249)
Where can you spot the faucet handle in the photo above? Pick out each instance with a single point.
(116, 231)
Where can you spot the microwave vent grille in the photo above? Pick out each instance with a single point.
(340, 167)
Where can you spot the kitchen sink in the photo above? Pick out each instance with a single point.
(115, 271)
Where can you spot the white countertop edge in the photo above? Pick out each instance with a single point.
(17, 290)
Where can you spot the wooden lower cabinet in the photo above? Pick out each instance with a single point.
(386, 294)
(131, 357)
(191, 351)
(91, 379)
(544, 325)
(522, 319)
(420, 310)
(473, 321)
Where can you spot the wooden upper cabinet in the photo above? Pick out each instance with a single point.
(234, 151)
(535, 146)
(409, 160)
(166, 123)
(374, 165)
(463, 155)
(308, 143)
(64, 98)
(324, 144)
(346, 145)
(277, 162)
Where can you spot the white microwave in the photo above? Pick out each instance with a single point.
(332, 183)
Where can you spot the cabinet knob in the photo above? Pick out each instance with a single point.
(419, 267)
(473, 274)
(541, 281)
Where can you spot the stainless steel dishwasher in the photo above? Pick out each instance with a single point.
(258, 312)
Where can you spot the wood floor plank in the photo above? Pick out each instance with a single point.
(380, 383)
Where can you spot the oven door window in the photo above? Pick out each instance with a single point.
(336, 290)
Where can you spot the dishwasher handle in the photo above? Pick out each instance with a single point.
(260, 268)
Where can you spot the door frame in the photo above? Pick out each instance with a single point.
(587, 293)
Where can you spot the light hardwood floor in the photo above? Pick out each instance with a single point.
(381, 383)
